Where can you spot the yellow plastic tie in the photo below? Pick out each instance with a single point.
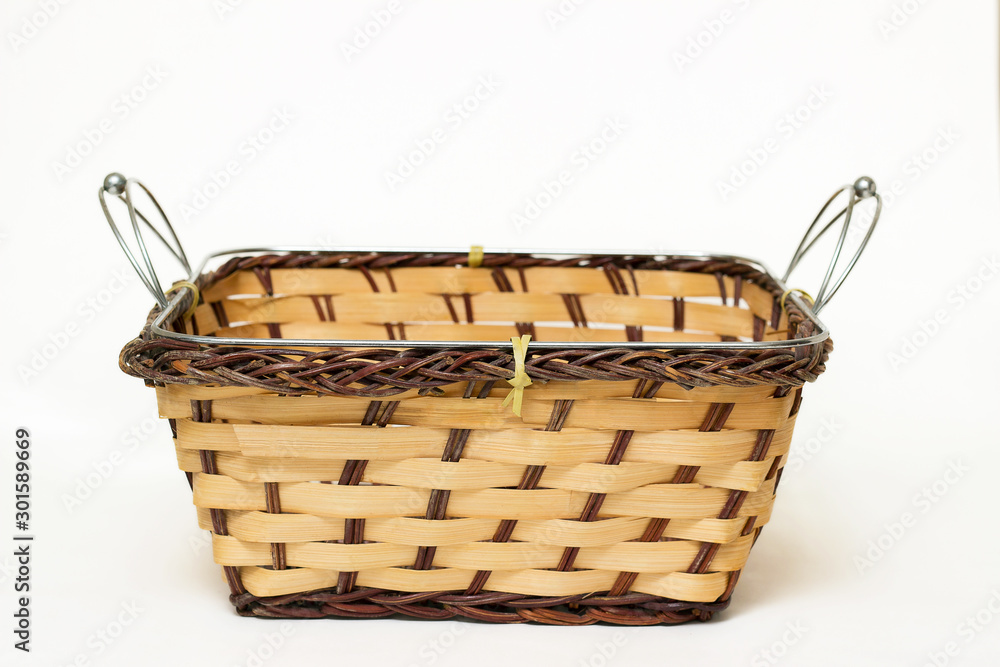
(520, 379)
(475, 256)
(195, 295)
(800, 291)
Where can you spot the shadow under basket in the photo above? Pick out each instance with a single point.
(376, 478)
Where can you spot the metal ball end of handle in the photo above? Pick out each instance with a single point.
(864, 187)
(114, 183)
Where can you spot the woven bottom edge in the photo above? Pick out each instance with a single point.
(631, 609)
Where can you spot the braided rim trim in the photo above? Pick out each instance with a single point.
(629, 609)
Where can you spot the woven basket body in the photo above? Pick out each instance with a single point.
(367, 482)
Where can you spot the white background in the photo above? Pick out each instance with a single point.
(873, 434)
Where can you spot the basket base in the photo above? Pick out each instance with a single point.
(632, 609)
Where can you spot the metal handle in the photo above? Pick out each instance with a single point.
(117, 185)
(863, 188)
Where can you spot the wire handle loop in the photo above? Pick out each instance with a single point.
(861, 189)
(117, 185)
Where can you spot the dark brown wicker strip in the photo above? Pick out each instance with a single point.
(715, 420)
(560, 410)
(201, 411)
(437, 505)
(219, 309)
(353, 473)
(614, 457)
(503, 285)
(273, 500)
(632, 332)
(731, 509)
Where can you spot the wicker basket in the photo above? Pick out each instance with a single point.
(347, 423)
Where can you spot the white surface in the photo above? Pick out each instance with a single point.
(322, 180)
